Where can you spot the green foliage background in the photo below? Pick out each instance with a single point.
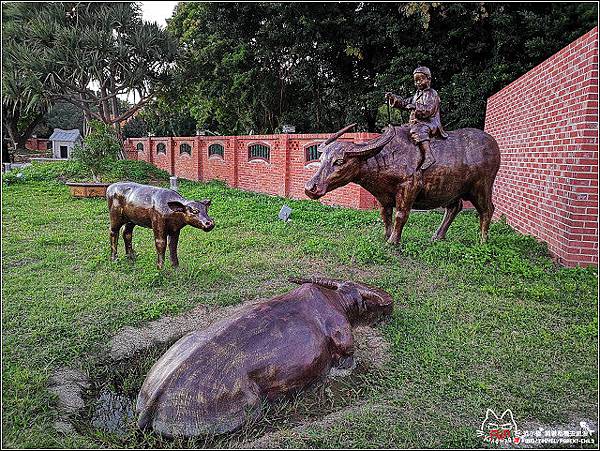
(100, 149)
(256, 66)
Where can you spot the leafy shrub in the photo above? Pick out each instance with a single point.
(100, 149)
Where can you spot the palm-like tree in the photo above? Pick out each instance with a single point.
(24, 102)
(90, 54)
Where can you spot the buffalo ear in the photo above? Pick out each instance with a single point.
(205, 202)
(176, 206)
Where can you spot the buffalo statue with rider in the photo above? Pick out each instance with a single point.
(415, 166)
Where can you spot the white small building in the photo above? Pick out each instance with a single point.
(63, 142)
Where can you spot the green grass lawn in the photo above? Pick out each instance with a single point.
(475, 326)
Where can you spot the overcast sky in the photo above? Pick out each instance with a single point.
(158, 11)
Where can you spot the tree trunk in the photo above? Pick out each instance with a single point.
(19, 138)
(11, 128)
(114, 103)
(6, 155)
(119, 134)
(87, 119)
(371, 121)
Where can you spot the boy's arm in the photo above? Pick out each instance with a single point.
(397, 101)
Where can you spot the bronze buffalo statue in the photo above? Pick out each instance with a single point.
(465, 169)
(163, 210)
(211, 381)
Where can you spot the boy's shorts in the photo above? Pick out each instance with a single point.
(420, 132)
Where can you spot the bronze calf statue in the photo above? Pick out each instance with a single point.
(465, 168)
(164, 211)
(211, 381)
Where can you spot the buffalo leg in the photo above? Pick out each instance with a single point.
(115, 227)
(482, 200)
(128, 238)
(386, 215)
(405, 198)
(451, 211)
(173, 240)
(160, 241)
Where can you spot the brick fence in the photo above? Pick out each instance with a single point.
(284, 173)
(38, 144)
(546, 124)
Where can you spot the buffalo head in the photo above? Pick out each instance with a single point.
(362, 303)
(341, 161)
(195, 213)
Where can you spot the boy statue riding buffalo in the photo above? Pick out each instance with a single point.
(400, 170)
(424, 109)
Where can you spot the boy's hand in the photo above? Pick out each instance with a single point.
(410, 106)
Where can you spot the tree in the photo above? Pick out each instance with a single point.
(104, 51)
(256, 66)
(24, 102)
(100, 148)
(136, 127)
(60, 115)
(23, 107)
(168, 117)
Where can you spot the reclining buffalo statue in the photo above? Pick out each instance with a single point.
(163, 210)
(465, 168)
(211, 381)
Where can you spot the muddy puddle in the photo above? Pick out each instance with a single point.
(109, 416)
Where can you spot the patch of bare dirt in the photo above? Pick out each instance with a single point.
(132, 340)
(371, 347)
(69, 386)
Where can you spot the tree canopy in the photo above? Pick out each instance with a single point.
(256, 66)
(90, 53)
(24, 101)
(253, 67)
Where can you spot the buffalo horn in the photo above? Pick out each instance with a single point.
(369, 148)
(366, 291)
(335, 136)
(324, 282)
(374, 294)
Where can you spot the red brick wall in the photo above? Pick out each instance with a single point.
(161, 160)
(184, 165)
(130, 152)
(259, 175)
(143, 153)
(546, 124)
(37, 144)
(284, 174)
(216, 167)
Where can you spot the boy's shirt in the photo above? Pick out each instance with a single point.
(427, 110)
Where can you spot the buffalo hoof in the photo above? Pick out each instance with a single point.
(113, 257)
(393, 240)
(437, 237)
